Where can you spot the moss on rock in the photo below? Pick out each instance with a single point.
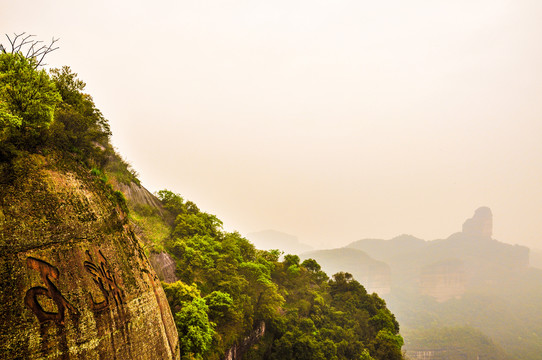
(75, 280)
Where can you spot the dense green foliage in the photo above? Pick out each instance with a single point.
(28, 99)
(307, 315)
(42, 112)
(37, 109)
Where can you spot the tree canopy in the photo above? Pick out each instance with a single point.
(308, 315)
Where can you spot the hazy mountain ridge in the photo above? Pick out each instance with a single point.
(466, 279)
(375, 275)
(273, 239)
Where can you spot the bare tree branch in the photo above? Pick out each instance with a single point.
(24, 41)
(20, 41)
(47, 50)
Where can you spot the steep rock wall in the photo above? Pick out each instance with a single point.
(139, 195)
(136, 196)
(75, 281)
(236, 351)
(443, 280)
(165, 266)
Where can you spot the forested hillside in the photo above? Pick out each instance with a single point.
(227, 289)
(231, 300)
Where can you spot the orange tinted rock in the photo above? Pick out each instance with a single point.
(75, 282)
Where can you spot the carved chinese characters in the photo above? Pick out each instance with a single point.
(105, 280)
(98, 270)
(47, 272)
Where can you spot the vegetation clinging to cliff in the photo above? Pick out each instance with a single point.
(307, 315)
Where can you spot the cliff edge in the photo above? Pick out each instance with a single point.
(75, 282)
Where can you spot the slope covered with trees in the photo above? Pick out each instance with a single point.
(227, 289)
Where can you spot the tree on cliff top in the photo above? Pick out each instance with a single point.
(48, 109)
(28, 97)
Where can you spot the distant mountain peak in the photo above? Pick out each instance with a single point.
(407, 238)
(273, 239)
(480, 225)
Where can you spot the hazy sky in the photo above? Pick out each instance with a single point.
(330, 120)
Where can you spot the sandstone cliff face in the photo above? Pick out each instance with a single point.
(75, 282)
(165, 266)
(138, 195)
(443, 280)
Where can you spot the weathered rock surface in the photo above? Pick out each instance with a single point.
(236, 352)
(443, 280)
(138, 195)
(165, 266)
(75, 282)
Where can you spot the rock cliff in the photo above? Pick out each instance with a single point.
(236, 351)
(137, 197)
(75, 282)
(443, 280)
(480, 225)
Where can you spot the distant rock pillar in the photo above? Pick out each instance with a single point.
(480, 225)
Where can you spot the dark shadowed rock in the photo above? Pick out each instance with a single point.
(237, 351)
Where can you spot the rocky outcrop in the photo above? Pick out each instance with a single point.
(138, 195)
(236, 351)
(75, 282)
(443, 280)
(445, 268)
(480, 225)
(165, 266)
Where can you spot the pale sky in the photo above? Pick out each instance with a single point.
(329, 120)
